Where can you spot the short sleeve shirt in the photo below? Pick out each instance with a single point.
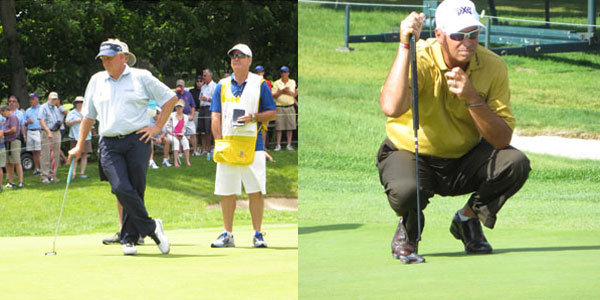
(207, 91)
(189, 101)
(447, 129)
(74, 129)
(12, 121)
(121, 105)
(32, 112)
(284, 99)
(50, 114)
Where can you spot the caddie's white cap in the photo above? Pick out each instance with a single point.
(242, 48)
(453, 16)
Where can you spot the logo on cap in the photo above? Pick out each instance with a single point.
(464, 10)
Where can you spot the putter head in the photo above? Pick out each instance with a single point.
(51, 253)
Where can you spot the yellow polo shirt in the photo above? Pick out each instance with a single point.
(447, 129)
(284, 99)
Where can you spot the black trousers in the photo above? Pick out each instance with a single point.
(492, 176)
(125, 162)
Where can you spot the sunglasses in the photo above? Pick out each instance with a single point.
(459, 36)
(238, 55)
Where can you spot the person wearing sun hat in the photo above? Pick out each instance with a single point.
(118, 98)
(464, 141)
(73, 120)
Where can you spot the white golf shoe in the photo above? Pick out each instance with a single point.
(160, 238)
(129, 249)
(224, 240)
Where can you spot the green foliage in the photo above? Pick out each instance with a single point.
(173, 39)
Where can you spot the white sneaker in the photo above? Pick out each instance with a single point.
(277, 148)
(129, 249)
(196, 153)
(224, 240)
(152, 165)
(258, 240)
(166, 163)
(289, 148)
(161, 239)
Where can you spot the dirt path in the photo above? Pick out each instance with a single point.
(558, 146)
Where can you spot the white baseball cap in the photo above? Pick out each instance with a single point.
(453, 16)
(242, 48)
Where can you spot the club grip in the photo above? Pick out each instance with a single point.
(71, 170)
(414, 82)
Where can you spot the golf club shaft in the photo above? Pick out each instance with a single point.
(63, 204)
(415, 114)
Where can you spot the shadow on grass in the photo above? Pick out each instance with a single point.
(332, 227)
(271, 248)
(158, 255)
(576, 62)
(528, 249)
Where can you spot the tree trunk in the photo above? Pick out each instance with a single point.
(18, 84)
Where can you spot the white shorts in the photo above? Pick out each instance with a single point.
(229, 178)
(190, 129)
(34, 140)
(196, 119)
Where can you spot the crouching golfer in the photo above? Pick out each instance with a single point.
(118, 99)
(466, 128)
(241, 104)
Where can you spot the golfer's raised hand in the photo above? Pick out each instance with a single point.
(74, 153)
(149, 132)
(460, 85)
(411, 26)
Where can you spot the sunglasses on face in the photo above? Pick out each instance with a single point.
(459, 36)
(238, 55)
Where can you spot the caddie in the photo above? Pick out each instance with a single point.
(242, 105)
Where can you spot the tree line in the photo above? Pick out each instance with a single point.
(51, 45)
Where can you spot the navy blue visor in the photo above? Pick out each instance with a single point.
(109, 49)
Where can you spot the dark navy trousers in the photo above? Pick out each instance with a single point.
(124, 161)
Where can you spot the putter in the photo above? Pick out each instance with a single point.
(53, 252)
(415, 114)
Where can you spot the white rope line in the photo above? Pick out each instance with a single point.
(362, 4)
(541, 22)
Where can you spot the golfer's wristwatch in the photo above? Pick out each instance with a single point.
(253, 117)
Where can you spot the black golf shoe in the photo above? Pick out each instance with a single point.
(471, 234)
(116, 239)
(403, 249)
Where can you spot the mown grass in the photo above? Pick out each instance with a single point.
(176, 195)
(345, 223)
(551, 94)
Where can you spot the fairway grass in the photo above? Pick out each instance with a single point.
(86, 269)
(354, 261)
(547, 238)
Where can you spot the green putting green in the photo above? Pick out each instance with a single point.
(85, 269)
(354, 261)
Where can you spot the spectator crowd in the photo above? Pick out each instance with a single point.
(42, 128)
